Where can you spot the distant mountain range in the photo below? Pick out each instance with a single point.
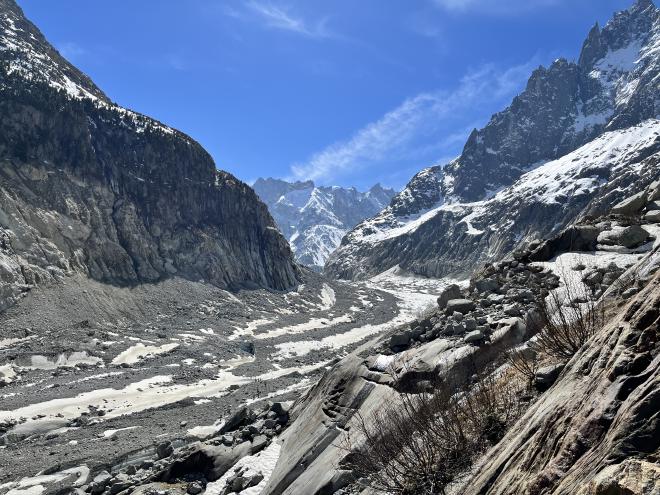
(579, 138)
(315, 218)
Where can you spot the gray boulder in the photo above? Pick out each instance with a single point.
(470, 324)
(450, 292)
(652, 216)
(486, 285)
(628, 237)
(512, 310)
(654, 191)
(546, 376)
(164, 449)
(460, 305)
(100, 482)
(399, 340)
(259, 443)
(240, 418)
(631, 205)
(476, 336)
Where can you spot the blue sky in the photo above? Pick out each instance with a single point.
(347, 92)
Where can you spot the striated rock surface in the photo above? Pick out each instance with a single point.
(475, 204)
(87, 186)
(596, 430)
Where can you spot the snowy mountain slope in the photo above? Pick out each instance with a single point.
(452, 237)
(614, 85)
(315, 219)
(88, 187)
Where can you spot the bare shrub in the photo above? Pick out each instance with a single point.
(423, 443)
(569, 316)
(525, 362)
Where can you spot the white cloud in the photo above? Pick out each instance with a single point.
(502, 7)
(70, 50)
(280, 18)
(413, 129)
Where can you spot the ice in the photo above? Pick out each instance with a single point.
(250, 328)
(328, 297)
(4, 343)
(313, 324)
(63, 361)
(153, 392)
(112, 433)
(140, 351)
(36, 485)
(414, 294)
(264, 462)
(7, 373)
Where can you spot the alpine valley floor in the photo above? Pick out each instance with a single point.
(96, 374)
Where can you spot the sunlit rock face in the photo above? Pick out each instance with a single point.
(88, 186)
(472, 210)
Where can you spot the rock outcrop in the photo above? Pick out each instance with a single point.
(88, 186)
(595, 431)
(502, 190)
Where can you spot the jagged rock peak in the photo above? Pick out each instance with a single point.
(634, 24)
(641, 5)
(315, 218)
(563, 108)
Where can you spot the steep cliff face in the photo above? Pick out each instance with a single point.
(91, 187)
(315, 218)
(563, 108)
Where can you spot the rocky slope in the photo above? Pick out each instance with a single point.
(589, 429)
(315, 218)
(446, 212)
(593, 431)
(89, 187)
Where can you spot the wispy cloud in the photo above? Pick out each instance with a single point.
(278, 17)
(70, 50)
(496, 7)
(415, 128)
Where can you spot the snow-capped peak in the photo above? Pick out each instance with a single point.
(315, 218)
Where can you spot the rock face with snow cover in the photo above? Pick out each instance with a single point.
(314, 219)
(573, 133)
(87, 186)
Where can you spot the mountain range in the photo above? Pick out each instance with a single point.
(578, 138)
(159, 334)
(313, 218)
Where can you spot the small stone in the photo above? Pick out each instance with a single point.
(512, 310)
(627, 294)
(164, 450)
(545, 377)
(194, 488)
